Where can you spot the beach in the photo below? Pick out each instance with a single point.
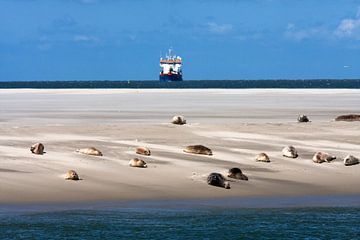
(236, 124)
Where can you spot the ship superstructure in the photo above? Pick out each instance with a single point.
(170, 67)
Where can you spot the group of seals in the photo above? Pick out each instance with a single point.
(319, 157)
(348, 118)
(198, 149)
(216, 179)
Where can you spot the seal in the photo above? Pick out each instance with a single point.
(179, 120)
(198, 149)
(303, 118)
(72, 175)
(348, 118)
(320, 157)
(289, 152)
(350, 160)
(237, 174)
(37, 148)
(135, 162)
(90, 151)
(143, 151)
(218, 180)
(262, 157)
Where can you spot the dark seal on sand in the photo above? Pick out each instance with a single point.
(198, 149)
(179, 120)
(303, 118)
(37, 148)
(237, 174)
(218, 180)
(72, 175)
(348, 118)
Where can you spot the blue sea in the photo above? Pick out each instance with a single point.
(319, 83)
(187, 223)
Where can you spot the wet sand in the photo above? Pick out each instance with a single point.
(235, 124)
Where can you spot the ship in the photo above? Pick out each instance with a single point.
(170, 67)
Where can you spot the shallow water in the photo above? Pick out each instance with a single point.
(186, 223)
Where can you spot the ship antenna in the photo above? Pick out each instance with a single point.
(170, 52)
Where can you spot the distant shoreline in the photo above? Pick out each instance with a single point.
(186, 84)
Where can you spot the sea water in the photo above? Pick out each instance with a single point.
(187, 223)
(320, 83)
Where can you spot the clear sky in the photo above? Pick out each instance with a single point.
(217, 39)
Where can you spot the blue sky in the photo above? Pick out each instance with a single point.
(217, 39)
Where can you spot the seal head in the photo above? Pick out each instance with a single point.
(72, 175)
(237, 174)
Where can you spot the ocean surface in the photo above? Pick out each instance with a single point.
(188, 223)
(320, 83)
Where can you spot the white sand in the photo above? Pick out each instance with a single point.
(235, 124)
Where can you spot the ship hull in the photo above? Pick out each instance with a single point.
(170, 78)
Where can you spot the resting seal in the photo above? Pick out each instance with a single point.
(289, 152)
(198, 149)
(262, 157)
(348, 118)
(143, 151)
(321, 157)
(179, 120)
(71, 175)
(37, 148)
(216, 179)
(237, 174)
(303, 118)
(350, 160)
(90, 151)
(135, 162)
